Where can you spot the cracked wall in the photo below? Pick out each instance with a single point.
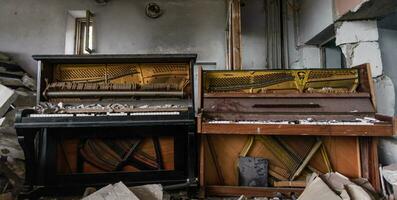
(359, 41)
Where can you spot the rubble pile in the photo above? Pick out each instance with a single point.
(335, 186)
(17, 91)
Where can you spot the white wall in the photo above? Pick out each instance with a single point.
(187, 26)
(314, 17)
(253, 35)
(388, 47)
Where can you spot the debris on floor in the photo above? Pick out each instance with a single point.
(389, 187)
(119, 191)
(116, 191)
(335, 186)
(148, 192)
(17, 91)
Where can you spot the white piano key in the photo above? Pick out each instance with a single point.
(153, 113)
(51, 115)
(116, 114)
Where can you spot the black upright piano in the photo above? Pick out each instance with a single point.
(101, 119)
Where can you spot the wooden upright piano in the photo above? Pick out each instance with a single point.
(300, 121)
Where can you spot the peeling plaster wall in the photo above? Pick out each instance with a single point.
(359, 43)
(187, 26)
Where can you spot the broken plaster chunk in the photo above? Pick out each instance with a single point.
(7, 97)
(2, 121)
(318, 189)
(349, 32)
(117, 191)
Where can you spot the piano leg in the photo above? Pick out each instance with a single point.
(26, 140)
(369, 161)
(192, 164)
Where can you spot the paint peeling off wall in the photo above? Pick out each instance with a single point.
(356, 31)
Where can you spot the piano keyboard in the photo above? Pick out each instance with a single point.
(106, 114)
(358, 121)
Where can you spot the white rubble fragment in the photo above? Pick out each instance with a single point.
(7, 97)
(356, 31)
(2, 121)
(390, 174)
(29, 82)
(117, 191)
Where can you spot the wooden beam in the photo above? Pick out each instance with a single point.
(234, 39)
(230, 191)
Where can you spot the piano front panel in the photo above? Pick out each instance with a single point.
(344, 155)
(241, 109)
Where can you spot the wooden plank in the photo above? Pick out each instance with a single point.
(384, 129)
(364, 154)
(344, 155)
(229, 191)
(202, 161)
(370, 162)
(371, 85)
(214, 156)
(374, 176)
(236, 34)
(290, 184)
(291, 95)
(199, 122)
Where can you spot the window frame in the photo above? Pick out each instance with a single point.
(83, 35)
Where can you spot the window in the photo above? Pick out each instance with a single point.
(84, 38)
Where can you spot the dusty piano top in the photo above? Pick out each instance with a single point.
(291, 102)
